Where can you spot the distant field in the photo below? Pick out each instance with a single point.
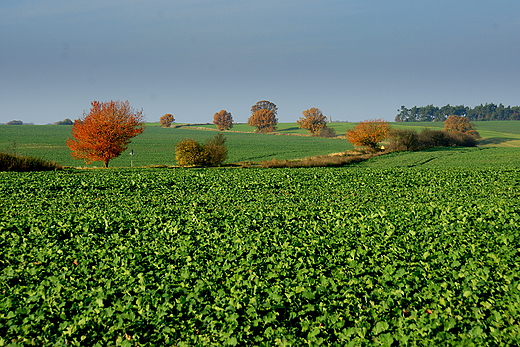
(156, 145)
(492, 157)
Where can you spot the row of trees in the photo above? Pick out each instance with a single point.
(105, 131)
(458, 131)
(432, 113)
(263, 118)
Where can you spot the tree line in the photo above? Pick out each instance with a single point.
(104, 132)
(431, 113)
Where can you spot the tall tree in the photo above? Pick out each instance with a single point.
(368, 133)
(167, 120)
(223, 120)
(312, 120)
(265, 105)
(263, 116)
(264, 120)
(105, 132)
(458, 123)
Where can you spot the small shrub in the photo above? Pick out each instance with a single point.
(217, 152)
(474, 134)
(13, 162)
(462, 139)
(434, 138)
(189, 152)
(403, 140)
(326, 132)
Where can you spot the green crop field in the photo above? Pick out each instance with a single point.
(412, 249)
(325, 256)
(496, 157)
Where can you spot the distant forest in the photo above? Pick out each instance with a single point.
(432, 113)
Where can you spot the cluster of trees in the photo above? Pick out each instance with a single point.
(66, 121)
(432, 113)
(458, 131)
(105, 131)
(14, 122)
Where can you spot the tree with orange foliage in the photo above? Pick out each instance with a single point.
(105, 132)
(368, 133)
(223, 120)
(264, 120)
(460, 124)
(263, 116)
(312, 120)
(167, 120)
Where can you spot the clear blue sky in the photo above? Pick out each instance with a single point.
(353, 59)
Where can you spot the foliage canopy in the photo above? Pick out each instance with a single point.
(167, 120)
(264, 120)
(223, 120)
(105, 132)
(263, 116)
(368, 133)
(312, 120)
(190, 152)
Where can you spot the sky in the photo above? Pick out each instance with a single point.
(353, 59)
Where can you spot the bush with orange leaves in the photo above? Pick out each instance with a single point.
(105, 132)
(368, 133)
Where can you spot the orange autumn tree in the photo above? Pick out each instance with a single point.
(167, 120)
(223, 120)
(368, 133)
(105, 132)
(312, 120)
(263, 116)
(460, 124)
